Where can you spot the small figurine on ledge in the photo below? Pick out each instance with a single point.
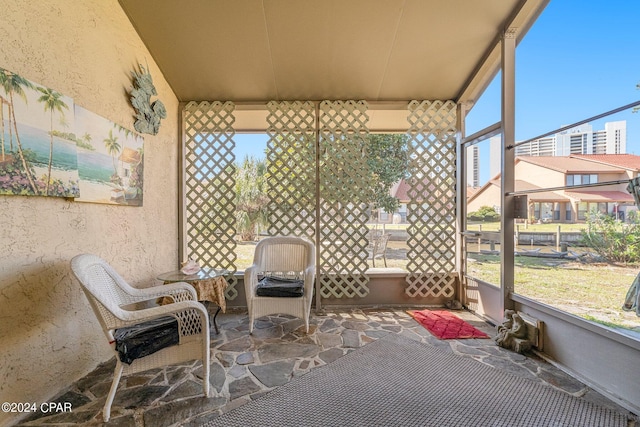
(190, 267)
(512, 334)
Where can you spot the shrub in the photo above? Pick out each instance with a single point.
(484, 214)
(613, 240)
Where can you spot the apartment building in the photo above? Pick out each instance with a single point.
(568, 205)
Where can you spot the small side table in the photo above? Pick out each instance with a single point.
(209, 283)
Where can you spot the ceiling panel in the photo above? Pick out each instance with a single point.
(378, 50)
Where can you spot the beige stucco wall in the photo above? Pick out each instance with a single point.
(48, 334)
(490, 196)
(538, 175)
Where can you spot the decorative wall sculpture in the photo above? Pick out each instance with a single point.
(148, 114)
(51, 147)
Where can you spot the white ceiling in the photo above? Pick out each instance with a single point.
(377, 50)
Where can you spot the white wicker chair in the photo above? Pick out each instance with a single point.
(281, 256)
(112, 300)
(377, 246)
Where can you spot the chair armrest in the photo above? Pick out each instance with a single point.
(142, 315)
(182, 290)
(251, 278)
(309, 279)
(130, 318)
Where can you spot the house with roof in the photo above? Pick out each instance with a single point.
(548, 181)
(402, 190)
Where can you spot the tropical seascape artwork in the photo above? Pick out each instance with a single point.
(109, 161)
(49, 146)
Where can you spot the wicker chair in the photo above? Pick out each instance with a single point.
(281, 256)
(113, 301)
(377, 246)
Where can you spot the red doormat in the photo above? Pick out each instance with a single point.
(445, 325)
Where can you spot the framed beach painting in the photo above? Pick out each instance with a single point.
(110, 161)
(38, 154)
(49, 146)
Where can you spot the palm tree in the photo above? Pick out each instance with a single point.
(113, 147)
(15, 84)
(2, 104)
(51, 100)
(251, 197)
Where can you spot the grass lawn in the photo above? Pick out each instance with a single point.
(594, 291)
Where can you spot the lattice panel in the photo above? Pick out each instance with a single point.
(209, 175)
(431, 210)
(343, 200)
(291, 166)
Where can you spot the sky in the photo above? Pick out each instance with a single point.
(579, 59)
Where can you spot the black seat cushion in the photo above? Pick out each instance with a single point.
(134, 342)
(280, 287)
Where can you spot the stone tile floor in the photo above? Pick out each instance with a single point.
(243, 367)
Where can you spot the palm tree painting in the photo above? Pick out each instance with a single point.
(111, 143)
(30, 162)
(52, 102)
(110, 161)
(49, 146)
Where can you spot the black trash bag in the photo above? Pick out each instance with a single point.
(280, 287)
(134, 342)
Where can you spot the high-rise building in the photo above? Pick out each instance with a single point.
(473, 166)
(580, 140)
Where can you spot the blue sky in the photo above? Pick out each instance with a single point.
(580, 59)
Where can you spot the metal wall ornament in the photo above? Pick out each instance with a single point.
(148, 114)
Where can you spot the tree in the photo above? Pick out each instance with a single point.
(113, 147)
(15, 84)
(3, 102)
(52, 101)
(388, 162)
(251, 197)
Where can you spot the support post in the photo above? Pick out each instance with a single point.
(461, 196)
(318, 242)
(508, 46)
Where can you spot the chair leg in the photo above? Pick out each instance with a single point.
(206, 388)
(117, 374)
(206, 368)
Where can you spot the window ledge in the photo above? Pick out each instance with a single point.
(623, 337)
(378, 272)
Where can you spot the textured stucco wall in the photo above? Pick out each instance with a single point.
(49, 336)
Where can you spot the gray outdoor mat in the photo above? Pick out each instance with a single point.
(396, 381)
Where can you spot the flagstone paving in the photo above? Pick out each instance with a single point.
(244, 367)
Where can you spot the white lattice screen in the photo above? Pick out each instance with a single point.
(291, 166)
(333, 132)
(209, 178)
(343, 202)
(431, 210)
